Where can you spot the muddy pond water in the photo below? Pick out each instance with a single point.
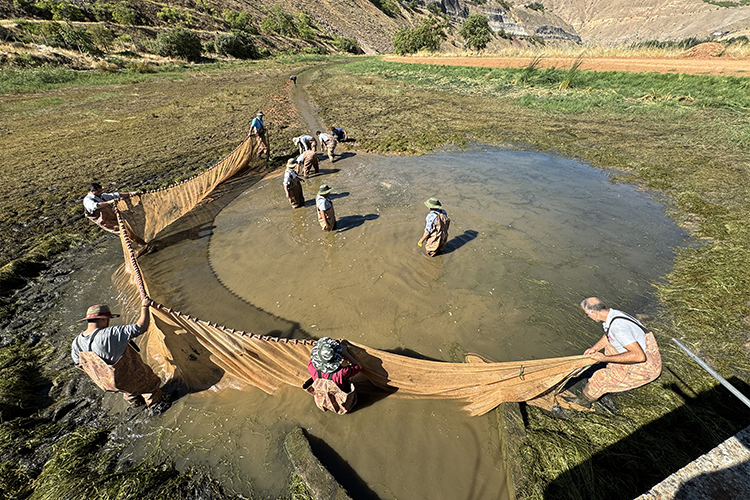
(531, 235)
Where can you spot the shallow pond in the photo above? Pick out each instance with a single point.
(531, 235)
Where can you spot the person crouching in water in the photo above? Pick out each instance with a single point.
(329, 383)
(292, 185)
(436, 229)
(326, 214)
(329, 142)
(107, 356)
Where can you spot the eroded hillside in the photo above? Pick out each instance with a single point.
(621, 21)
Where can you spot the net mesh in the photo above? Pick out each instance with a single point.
(200, 354)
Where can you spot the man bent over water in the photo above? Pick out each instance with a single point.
(630, 351)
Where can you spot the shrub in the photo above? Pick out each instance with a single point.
(435, 8)
(236, 44)
(304, 25)
(536, 6)
(504, 4)
(346, 44)
(280, 22)
(107, 67)
(387, 7)
(209, 47)
(179, 42)
(101, 36)
(476, 31)
(124, 14)
(504, 34)
(101, 11)
(238, 21)
(141, 67)
(173, 16)
(61, 11)
(427, 35)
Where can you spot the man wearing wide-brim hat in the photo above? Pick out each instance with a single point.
(326, 214)
(329, 379)
(258, 129)
(105, 353)
(292, 185)
(436, 229)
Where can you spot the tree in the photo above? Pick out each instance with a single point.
(179, 42)
(280, 22)
(476, 31)
(236, 44)
(427, 35)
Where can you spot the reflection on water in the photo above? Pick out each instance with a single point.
(531, 235)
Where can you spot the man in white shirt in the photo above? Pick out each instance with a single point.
(630, 351)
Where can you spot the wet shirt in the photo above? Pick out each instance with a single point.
(430, 219)
(107, 343)
(323, 203)
(621, 332)
(289, 176)
(91, 200)
(340, 376)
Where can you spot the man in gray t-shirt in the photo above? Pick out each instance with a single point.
(630, 351)
(124, 370)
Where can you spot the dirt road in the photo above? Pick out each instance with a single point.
(707, 66)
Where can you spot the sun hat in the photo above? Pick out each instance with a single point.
(260, 113)
(99, 311)
(326, 355)
(291, 163)
(324, 189)
(433, 203)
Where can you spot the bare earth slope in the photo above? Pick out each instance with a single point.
(625, 21)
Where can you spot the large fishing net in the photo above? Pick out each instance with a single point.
(200, 354)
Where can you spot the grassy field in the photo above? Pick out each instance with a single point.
(687, 137)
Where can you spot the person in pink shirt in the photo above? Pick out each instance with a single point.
(329, 378)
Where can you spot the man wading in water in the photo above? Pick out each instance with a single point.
(292, 185)
(326, 214)
(436, 229)
(630, 351)
(106, 354)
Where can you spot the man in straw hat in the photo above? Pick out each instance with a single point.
(630, 351)
(436, 229)
(292, 185)
(329, 380)
(258, 129)
(107, 355)
(326, 214)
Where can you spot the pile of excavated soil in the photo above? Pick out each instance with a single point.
(704, 50)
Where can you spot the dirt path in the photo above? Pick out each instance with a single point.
(708, 66)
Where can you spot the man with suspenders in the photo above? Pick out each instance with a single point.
(630, 351)
(108, 357)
